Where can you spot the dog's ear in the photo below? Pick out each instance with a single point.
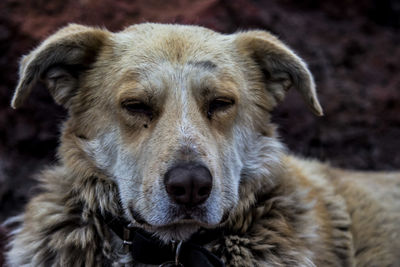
(282, 68)
(58, 61)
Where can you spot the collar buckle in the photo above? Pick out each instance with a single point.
(127, 238)
(176, 248)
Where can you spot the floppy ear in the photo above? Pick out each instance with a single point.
(58, 61)
(282, 68)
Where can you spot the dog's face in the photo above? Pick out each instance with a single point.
(174, 115)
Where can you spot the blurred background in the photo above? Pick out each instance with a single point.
(351, 46)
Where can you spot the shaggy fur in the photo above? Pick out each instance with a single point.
(280, 210)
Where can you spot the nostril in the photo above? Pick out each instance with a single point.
(204, 191)
(177, 191)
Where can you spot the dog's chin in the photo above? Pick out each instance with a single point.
(178, 231)
(178, 228)
(181, 230)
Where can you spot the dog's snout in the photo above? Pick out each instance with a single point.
(188, 184)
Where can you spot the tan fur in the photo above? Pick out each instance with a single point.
(281, 210)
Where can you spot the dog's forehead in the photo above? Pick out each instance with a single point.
(156, 55)
(146, 43)
(201, 78)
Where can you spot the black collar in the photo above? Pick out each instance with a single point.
(146, 248)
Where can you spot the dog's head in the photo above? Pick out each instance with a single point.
(177, 116)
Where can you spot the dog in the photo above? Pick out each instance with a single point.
(169, 157)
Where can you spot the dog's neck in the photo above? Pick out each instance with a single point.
(144, 247)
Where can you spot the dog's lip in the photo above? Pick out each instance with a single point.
(185, 219)
(225, 217)
(182, 222)
(138, 217)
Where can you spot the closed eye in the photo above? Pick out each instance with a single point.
(219, 104)
(136, 107)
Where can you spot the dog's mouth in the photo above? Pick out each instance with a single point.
(184, 223)
(186, 218)
(138, 217)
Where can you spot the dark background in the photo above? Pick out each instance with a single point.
(351, 46)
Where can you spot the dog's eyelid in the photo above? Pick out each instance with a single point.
(219, 104)
(222, 101)
(131, 101)
(135, 106)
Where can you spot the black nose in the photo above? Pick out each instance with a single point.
(188, 184)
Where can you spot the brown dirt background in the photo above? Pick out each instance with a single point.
(352, 48)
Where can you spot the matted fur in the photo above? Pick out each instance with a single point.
(281, 210)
